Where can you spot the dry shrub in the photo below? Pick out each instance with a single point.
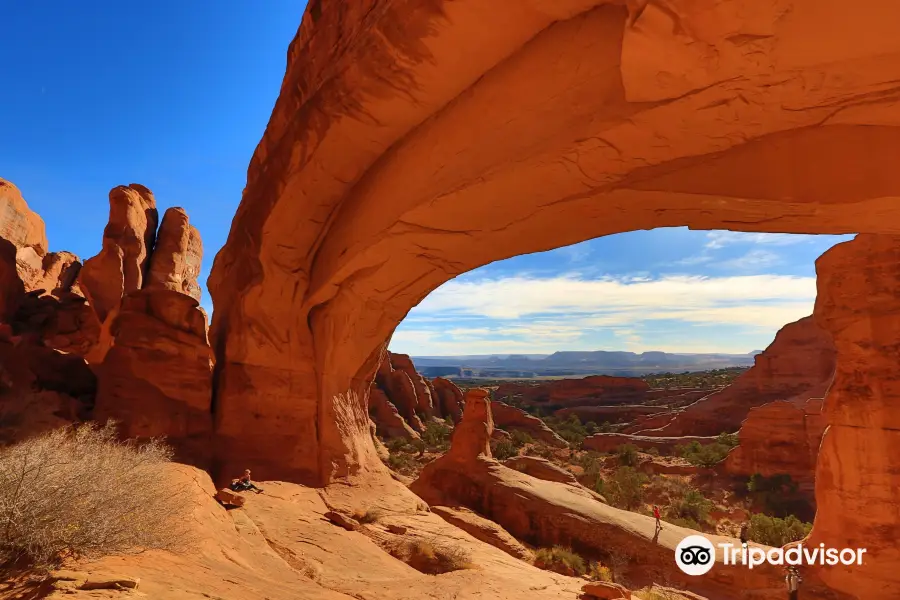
(371, 515)
(80, 492)
(433, 556)
(560, 560)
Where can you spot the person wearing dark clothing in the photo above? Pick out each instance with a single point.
(244, 484)
(744, 529)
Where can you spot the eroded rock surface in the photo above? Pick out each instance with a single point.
(798, 362)
(858, 471)
(596, 389)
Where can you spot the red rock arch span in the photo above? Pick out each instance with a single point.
(416, 140)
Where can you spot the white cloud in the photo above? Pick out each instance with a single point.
(526, 314)
(753, 260)
(515, 297)
(718, 239)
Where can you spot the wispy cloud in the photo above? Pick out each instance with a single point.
(720, 239)
(526, 314)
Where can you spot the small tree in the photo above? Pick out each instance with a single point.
(625, 489)
(80, 492)
(627, 455)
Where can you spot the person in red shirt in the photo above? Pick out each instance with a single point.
(657, 517)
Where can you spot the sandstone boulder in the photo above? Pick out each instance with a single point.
(424, 401)
(230, 498)
(471, 437)
(602, 590)
(508, 418)
(388, 422)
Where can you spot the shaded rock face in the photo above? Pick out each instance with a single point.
(388, 422)
(156, 379)
(780, 437)
(449, 398)
(799, 362)
(508, 418)
(858, 471)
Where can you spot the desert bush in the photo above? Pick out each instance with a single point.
(703, 455)
(598, 572)
(590, 463)
(773, 531)
(627, 455)
(80, 492)
(368, 516)
(400, 462)
(777, 495)
(569, 429)
(692, 505)
(397, 444)
(437, 435)
(433, 556)
(520, 438)
(539, 450)
(504, 449)
(652, 451)
(560, 560)
(624, 489)
(728, 439)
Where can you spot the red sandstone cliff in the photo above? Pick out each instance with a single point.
(798, 362)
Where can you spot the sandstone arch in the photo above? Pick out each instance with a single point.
(413, 141)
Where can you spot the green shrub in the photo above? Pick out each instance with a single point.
(773, 531)
(504, 449)
(399, 462)
(520, 438)
(437, 435)
(397, 444)
(627, 455)
(624, 489)
(728, 439)
(778, 495)
(692, 505)
(569, 429)
(703, 455)
(560, 560)
(598, 572)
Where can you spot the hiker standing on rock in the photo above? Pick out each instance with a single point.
(792, 580)
(657, 517)
(744, 529)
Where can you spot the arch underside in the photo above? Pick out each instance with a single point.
(414, 141)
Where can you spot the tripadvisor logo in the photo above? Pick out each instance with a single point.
(695, 555)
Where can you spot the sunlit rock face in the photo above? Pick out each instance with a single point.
(858, 472)
(408, 146)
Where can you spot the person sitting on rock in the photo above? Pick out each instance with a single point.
(244, 484)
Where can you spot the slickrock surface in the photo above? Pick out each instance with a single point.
(798, 362)
(858, 472)
(281, 546)
(509, 418)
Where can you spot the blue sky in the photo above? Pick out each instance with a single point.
(672, 289)
(175, 95)
(171, 94)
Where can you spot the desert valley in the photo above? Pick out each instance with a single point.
(411, 143)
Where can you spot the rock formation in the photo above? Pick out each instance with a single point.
(798, 363)
(781, 437)
(449, 398)
(547, 513)
(335, 240)
(20, 226)
(858, 471)
(121, 266)
(401, 400)
(510, 418)
(175, 263)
